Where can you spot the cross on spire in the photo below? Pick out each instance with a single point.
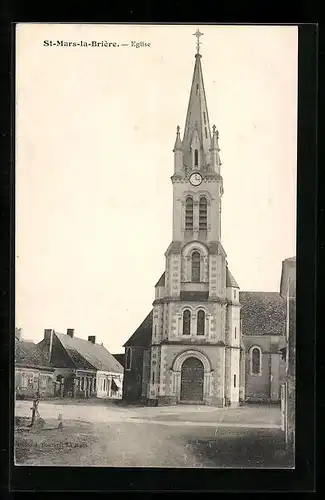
(198, 34)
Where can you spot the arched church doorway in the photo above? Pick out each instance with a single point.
(192, 380)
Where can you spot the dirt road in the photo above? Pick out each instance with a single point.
(121, 437)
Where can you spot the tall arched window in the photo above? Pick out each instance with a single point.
(196, 267)
(200, 322)
(186, 322)
(256, 361)
(196, 158)
(203, 213)
(189, 214)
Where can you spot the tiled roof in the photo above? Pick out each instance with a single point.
(28, 354)
(142, 335)
(161, 281)
(87, 355)
(230, 280)
(120, 358)
(262, 313)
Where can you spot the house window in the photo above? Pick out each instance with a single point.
(200, 322)
(235, 380)
(43, 381)
(204, 118)
(94, 384)
(153, 378)
(235, 295)
(235, 331)
(196, 263)
(128, 358)
(189, 214)
(82, 383)
(206, 133)
(24, 380)
(256, 360)
(186, 322)
(203, 213)
(196, 158)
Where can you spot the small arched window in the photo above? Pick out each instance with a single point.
(189, 214)
(186, 322)
(196, 158)
(200, 322)
(256, 361)
(196, 261)
(203, 213)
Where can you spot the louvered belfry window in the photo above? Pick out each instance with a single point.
(203, 213)
(196, 158)
(189, 214)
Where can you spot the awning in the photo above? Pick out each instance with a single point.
(116, 384)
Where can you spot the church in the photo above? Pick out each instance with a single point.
(192, 347)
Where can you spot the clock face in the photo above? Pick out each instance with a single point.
(195, 179)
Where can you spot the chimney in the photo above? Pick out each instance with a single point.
(70, 332)
(92, 339)
(48, 342)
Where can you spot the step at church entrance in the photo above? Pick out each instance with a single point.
(192, 379)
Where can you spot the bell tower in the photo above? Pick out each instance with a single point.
(196, 323)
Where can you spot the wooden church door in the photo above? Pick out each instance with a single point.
(192, 378)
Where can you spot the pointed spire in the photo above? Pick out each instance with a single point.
(215, 138)
(178, 142)
(215, 157)
(197, 114)
(198, 43)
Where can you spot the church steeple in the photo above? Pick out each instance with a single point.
(197, 133)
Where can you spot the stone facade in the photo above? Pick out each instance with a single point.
(288, 291)
(265, 385)
(196, 312)
(30, 382)
(191, 347)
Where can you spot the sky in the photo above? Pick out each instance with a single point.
(95, 129)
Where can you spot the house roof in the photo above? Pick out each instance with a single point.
(161, 281)
(120, 358)
(142, 335)
(230, 280)
(290, 259)
(87, 355)
(262, 313)
(29, 355)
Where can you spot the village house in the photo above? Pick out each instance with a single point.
(33, 372)
(82, 367)
(288, 292)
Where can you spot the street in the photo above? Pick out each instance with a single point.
(180, 436)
